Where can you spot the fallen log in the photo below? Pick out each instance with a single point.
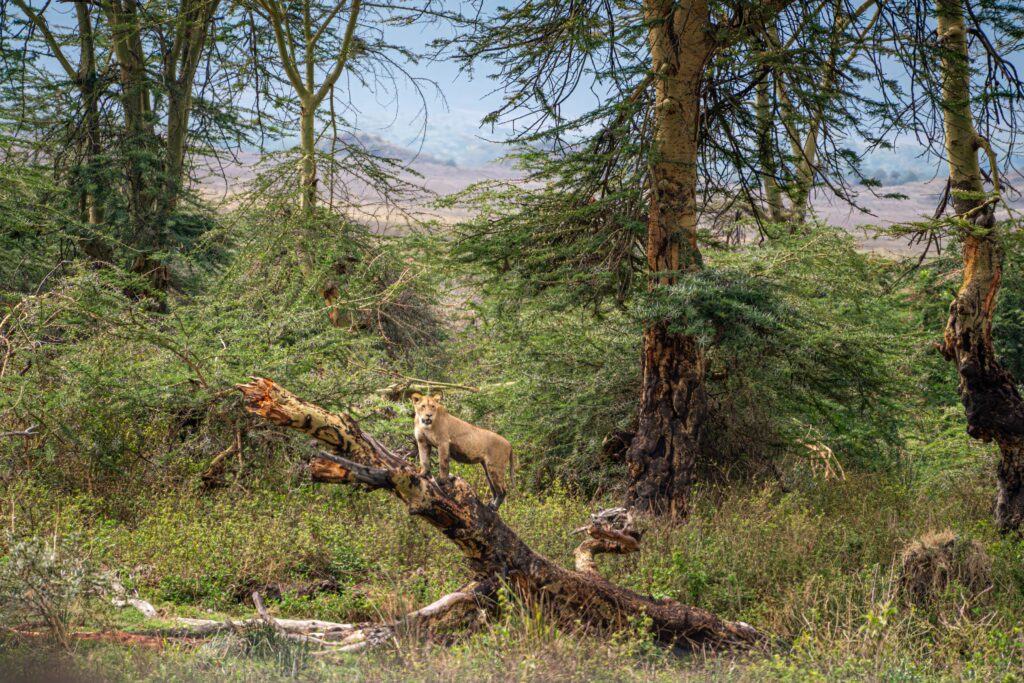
(492, 550)
(454, 609)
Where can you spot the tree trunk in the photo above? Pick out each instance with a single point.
(993, 406)
(769, 169)
(194, 20)
(490, 547)
(142, 144)
(307, 143)
(89, 90)
(156, 167)
(662, 457)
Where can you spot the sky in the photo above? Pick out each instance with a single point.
(450, 135)
(452, 130)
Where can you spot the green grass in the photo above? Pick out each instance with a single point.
(814, 567)
(836, 359)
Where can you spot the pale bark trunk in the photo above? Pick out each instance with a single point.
(307, 146)
(769, 169)
(141, 138)
(156, 169)
(993, 406)
(662, 457)
(490, 547)
(88, 88)
(195, 19)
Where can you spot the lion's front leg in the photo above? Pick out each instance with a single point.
(424, 448)
(442, 460)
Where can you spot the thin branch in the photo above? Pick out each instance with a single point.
(27, 433)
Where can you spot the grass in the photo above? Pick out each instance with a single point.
(812, 562)
(814, 567)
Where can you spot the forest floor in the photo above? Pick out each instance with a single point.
(132, 406)
(816, 569)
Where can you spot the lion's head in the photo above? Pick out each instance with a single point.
(427, 408)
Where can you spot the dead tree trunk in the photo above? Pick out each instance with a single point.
(994, 408)
(494, 552)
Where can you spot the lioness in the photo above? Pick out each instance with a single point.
(467, 443)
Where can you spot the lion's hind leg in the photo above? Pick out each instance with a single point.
(495, 473)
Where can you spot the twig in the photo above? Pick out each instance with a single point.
(27, 433)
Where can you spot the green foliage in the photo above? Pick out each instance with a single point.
(805, 346)
(729, 309)
(537, 368)
(577, 245)
(136, 395)
(48, 581)
(33, 239)
(811, 567)
(794, 357)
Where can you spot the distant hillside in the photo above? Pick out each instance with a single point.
(443, 176)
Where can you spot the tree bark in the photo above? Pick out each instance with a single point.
(662, 456)
(143, 146)
(307, 145)
(89, 90)
(493, 551)
(769, 169)
(155, 167)
(193, 22)
(993, 406)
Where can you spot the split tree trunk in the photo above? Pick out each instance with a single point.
(307, 140)
(142, 143)
(993, 406)
(662, 457)
(156, 167)
(193, 24)
(490, 547)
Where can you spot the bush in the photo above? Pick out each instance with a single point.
(793, 358)
(935, 561)
(48, 582)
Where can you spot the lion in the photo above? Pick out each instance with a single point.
(464, 442)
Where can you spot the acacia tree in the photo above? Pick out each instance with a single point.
(155, 169)
(992, 402)
(319, 58)
(301, 39)
(671, 132)
(141, 63)
(821, 105)
(86, 79)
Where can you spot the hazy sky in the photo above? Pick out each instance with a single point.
(452, 131)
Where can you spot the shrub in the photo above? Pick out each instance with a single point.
(933, 562)
(47, 581)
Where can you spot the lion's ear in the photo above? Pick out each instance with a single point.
(437, 397)
(416, 397)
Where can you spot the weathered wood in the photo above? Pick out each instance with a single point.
(211, 476)
(491, 549)
(142, 606)
(26, 433)
(610, 531)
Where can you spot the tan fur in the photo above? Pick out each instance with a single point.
(462, 442)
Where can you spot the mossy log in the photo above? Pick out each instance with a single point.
(493, 551)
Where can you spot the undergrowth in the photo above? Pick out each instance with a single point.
(131, 406)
